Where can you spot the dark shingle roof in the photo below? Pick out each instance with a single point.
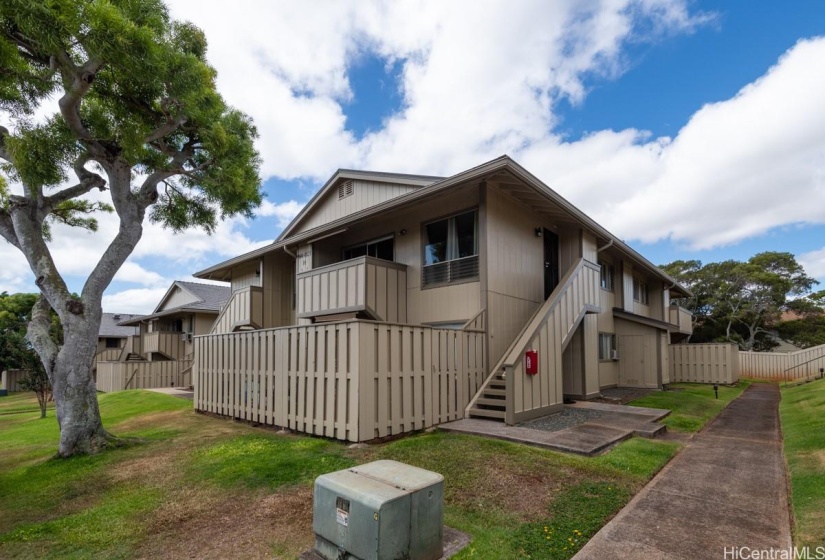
(212, 297)
(109, 327)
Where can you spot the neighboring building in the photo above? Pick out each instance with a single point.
(159, 354)
(113, 338)
(389, 293)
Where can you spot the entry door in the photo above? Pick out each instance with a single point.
(551, 262)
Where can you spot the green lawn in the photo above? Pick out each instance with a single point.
(202, 486)
(803, 427)
(692, 405)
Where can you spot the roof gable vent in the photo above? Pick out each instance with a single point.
(345, 189)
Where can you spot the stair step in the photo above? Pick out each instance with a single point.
(480, 412)
(497, 383)
(494, 392)
(491, 402)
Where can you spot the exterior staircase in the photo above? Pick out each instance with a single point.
(492, 399)
(576, 295)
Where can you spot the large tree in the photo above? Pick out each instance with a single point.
(110, 96)
(736, 301)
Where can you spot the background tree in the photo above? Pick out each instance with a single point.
(807, 328)
(737, 301)
(16, 351)
(131, 110)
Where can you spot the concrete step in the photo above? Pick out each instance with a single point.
(483, 413)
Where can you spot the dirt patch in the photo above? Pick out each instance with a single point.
(515, 489)
(195, 523)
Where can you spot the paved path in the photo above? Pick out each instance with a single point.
(727, 488)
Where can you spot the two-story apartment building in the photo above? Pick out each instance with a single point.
(385, 283)
(159, 350)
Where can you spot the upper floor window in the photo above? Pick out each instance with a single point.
(451, 249)
(606, 275)
(112, 343)
(639, 291)
(383, 248)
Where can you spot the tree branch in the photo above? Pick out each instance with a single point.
(88, 181)
(7, 229)
(38, 333)
(81, 80)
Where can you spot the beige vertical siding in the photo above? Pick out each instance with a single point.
(278, 279)
(365, 194)
(118, 376)
(625, 284)
(704, 363)
(681, 317)
(362, 284)
(803, 364)
(609, 369)
(244, 309)
(177, 298)
(245, 275)
(551, 329)
(352, 381)
(10, 380)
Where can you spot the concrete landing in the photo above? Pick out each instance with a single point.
(726, 490)
(588, 438)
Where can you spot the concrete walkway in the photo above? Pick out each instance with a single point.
(588, 438)
(179, 392)
(726, 489)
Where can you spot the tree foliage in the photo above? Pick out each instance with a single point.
(107, 106)
(737, 301)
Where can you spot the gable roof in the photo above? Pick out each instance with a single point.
(345, 174)
(539, 194)
(110, 327)
(208, 298)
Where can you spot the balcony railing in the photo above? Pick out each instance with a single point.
(171, 344)
(682, 318)
(367, 286)
(244, 310)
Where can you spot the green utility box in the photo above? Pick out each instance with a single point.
(384, 510)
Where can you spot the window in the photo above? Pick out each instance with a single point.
(607, 346)
(112, 343)
(380, 249)
(451, 250)
(639, 291)
(607, 276)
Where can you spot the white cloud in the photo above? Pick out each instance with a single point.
(738, 168)
(284, 212)
(140, 301)
(814, 263)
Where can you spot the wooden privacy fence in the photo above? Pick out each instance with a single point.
(118, 376)
(802, 364)
(704, 363)
(10, 380)
(353, 381)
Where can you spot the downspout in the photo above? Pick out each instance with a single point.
(290, 253)
(602, 248)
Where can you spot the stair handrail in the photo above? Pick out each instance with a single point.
(516, 348)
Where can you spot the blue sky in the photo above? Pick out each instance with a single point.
(693, 130)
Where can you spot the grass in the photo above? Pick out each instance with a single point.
(802, 411)
(691, 405)
(201, 486)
